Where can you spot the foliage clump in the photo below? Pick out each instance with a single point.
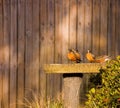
(106, 91)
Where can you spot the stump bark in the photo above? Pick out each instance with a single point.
(71, 91)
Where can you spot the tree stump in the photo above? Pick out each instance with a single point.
(71, 90)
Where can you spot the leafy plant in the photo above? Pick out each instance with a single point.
(106, 92)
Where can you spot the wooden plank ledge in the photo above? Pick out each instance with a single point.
(73, 68)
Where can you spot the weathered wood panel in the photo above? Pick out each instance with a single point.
(103, 26)
(65, 29)
(13, 55)
(43, 46)
(35, 56)
(117, 27)
(21, 52)
(6, 50)
(88, 26)
(96, 27)
(38, 32)
(73, 24)
(111, 27)
(58, 31)
(28, 49)
(81, 27)
(1, 50)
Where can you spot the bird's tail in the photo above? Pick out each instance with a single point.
(78, 60)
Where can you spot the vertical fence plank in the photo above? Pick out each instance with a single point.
(118, 28)
(50, 42)
(95, 27)
(114, 27)
(103, 26)
(28, 49)
(88, 24)
(21, 52)
(58, 27)
(6, 42)
(43, 45)
(35, 62)
(65, 30)
(1, 50)
(81, 27)
(117, 45)
(111, 28)
(58, 44)
(13, 54)
(73, 23)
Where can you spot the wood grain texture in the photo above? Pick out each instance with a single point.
(111, 28)
(73, 24)
(103, 29)
(43, 46)
(65, 30)
(1, 51)
(81, 28)
(13, 55)
(21, 52)
(6, 43)
(28, 48)
(96, 27)
(35, 56)
(88, 26)
(117, 45)
(58, 31)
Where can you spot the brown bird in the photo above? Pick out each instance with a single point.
(102, 59)
(90, 57)
(74, 55)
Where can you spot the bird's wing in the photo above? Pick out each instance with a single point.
(93, 55)
(101, 59)
(71, 56)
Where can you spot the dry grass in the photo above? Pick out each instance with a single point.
(35, 101)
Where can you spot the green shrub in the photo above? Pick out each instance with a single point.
(105, 93)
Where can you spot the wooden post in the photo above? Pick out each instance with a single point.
(71, 90)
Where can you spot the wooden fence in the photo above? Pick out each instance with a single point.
(35, 32)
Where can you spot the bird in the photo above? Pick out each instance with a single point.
(102, 59)
(74, 55)
(90, 57)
